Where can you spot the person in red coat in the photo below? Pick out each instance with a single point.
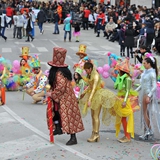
(100, 22)
(9, 13)
(86, 14)
(66, 113)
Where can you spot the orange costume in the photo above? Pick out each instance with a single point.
(59, 11)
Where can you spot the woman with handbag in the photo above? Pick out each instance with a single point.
(28, 26)
(125, 109)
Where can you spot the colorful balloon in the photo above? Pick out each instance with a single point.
(100, 70)
(106, 67)
(105, 74)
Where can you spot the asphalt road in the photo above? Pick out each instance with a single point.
(23, 128)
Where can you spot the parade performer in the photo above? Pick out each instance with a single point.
(25, 68)
(100, 22)
(113, 60)
(79, 82)
(125, 109)
(2, 88)
(147, 97)
(96, 98)
(82, 56)
(66, 113)
(158, 85)
(36, 86)
(9, 79)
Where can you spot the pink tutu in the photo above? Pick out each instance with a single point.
(158, 90)
(76, 33)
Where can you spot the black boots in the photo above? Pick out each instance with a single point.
(58, 130)
(98, 34)
(73, 140)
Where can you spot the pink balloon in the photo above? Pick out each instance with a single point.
(77, 89)
(16, 64)
(106, 67)
(100, 70)
(105, 74)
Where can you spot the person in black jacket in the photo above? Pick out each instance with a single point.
(143, 50)
(56, 20)
(129, 40)
(121, 34)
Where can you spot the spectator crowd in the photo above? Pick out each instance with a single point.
(129, 25)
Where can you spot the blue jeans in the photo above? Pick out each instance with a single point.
(56, 29)
(40, 27)
(3, 30)
(65, 34)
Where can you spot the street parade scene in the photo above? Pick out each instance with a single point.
(79, 80)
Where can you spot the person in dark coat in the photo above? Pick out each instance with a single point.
(149, 32)
(56, 20)
(129, 40)
(121, 34)
(41, 18)
(157, 38)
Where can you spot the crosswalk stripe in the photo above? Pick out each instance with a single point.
(5, 118)
(42, 49)
(22, 146)
(92, 48)
(107, 47)
(74, 48)
(6, 50)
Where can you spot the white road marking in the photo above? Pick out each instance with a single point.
(101, 52)
(92, 48)
(107, 47)
(86, 42)
(55, 45)
(29, 126)
(6, 50)
(42, 49)
(22, 146)
(26, 43)
(5, 118)
(74, 48)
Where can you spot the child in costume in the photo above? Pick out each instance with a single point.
(76, 32)
(82, 56)
(96, 98)
(25, 68)
(124, 108)
(80, 83)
